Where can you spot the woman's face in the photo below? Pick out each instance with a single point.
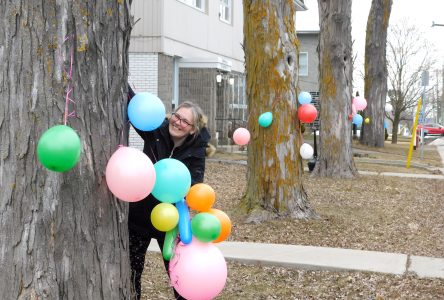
(181, 123)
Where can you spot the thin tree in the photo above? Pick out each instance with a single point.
(335, 70)
(62, 235)
(408, 54)
(274, 174)
(375, 69)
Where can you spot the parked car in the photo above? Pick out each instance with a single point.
(432, 128)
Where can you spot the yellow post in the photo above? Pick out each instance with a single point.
(409, 156)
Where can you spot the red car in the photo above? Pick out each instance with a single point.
(431, 128)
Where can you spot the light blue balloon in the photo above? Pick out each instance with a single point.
(265, 119)
(146, 111)
(304, 98)
(357, 120)
(385, 124)
(173, 180)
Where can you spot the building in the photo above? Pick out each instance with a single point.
(192, 50)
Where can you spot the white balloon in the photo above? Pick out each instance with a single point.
(388, 107)
(306, 151)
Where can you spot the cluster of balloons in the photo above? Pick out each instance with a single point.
(197, 267)
(358, 104)
(59, 148)
(307, 112)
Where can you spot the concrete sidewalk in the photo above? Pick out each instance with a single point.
(331, 259)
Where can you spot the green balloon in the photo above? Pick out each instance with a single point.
(59, 148)
(205, 227)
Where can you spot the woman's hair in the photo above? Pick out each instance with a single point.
(199, 119)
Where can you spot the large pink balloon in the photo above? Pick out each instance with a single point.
(241, 136)
(198, 270)
(360, 103)
(130, 174)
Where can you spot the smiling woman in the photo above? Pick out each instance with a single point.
(184, 137)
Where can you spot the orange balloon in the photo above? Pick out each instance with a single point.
(201, 197)
(225, 224)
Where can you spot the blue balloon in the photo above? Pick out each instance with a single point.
(146, 111)
(184, 222)
(265, 119)
(304, 98)
(357, 120)
(173, 180)
(385, 124)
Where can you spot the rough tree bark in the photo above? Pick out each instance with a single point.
(62, 235)
(375, 89)
(335, 56)
(274, 174)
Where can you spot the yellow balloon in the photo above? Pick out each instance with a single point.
(164, 216)
(367, 120)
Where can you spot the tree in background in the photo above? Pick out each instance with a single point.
(274, 174)
(335, 56)
(375, 89)
(62, 235)
(408, 54)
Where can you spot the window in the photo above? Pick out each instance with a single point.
(303, 64)
(198, 4)
(225, 8)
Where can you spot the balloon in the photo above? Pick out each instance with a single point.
(241, 136)
(59, 148)
(201, 197)
(367, 120)
(350, 117)
(357, 120)
(306, 151)
(164, 216)
(168, 244)
(360, 103)
(130, 174)
(146, 111)
(198, 270)
(265, 119)
(304, 98)
(307, 113)
(225, 224)
(385, 124)
(173, 180)
(205, 227)
(184, 222)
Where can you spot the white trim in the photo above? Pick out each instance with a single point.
(206, 62)
(222, 10)
(192, 3)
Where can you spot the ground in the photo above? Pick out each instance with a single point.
(389, 214)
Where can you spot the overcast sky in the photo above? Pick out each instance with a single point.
(420, 13)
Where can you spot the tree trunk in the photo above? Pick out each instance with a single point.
(335, 57)
(396, 119)
(62, 235)
(274, 165)
(375, 90)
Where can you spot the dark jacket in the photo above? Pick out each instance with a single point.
(158, 145)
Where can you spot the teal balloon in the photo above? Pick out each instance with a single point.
(173, 180)
(265, 119)
(205, 227)
(59, 148)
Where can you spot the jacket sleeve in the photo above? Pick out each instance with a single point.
(141, 133)
(197, 169)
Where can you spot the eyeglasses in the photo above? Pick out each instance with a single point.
(182, 121)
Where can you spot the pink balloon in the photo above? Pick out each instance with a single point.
(198, 270)
(130, 174)
(241, 136)
(354, 111)
(360, 103)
